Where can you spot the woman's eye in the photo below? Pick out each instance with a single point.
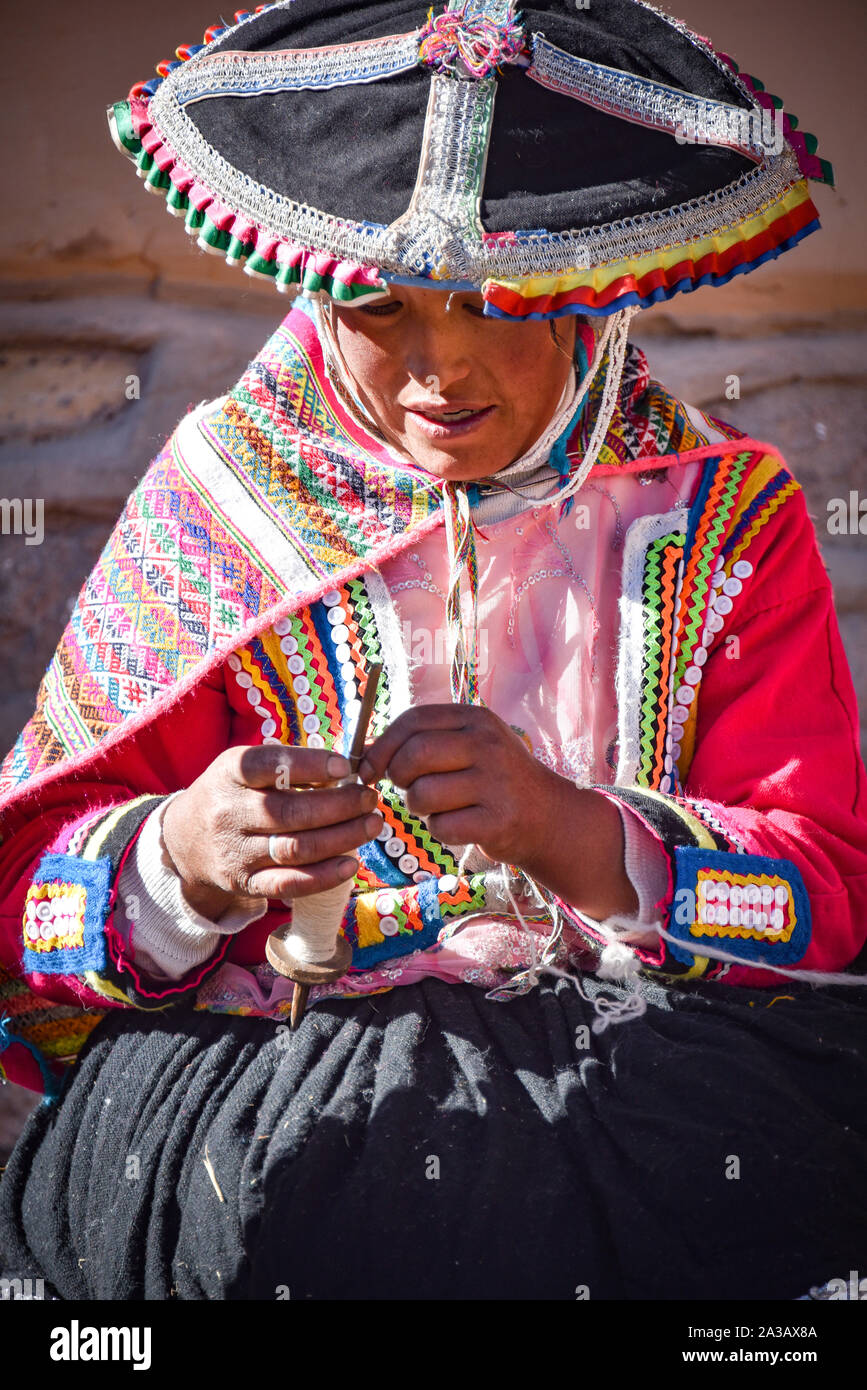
(380, 310)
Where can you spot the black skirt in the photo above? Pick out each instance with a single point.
(431, 1144)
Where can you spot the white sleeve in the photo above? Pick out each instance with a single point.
(646, 865)
(168, 936)
(647, 868)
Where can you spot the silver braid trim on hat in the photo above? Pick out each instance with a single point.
(702, 45)
(692, 119)
(442, 220)
(238, 73)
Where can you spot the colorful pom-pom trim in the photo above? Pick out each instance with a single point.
(230, 234)
(802, 142)
(659, 275)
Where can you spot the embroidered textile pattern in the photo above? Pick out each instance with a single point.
(683, 609)
(764, 491)
(59, 1031)
(724, 836)
(54, 917)
(660, 581)
(743, 905)
(649, 420)
(242, 74)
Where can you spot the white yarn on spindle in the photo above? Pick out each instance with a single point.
(316, 923)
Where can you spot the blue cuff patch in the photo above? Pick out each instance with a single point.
(64, 916)
(746, 904)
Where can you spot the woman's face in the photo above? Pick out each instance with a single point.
(462, 394)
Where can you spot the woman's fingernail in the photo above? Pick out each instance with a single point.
(373, 824)
(348, 868)
(365, 770)
(338, 766)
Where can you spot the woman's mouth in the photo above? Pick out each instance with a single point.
(449, 423)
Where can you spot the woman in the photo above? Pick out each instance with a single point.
(449, 437)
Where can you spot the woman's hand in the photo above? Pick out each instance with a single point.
(474, 781)
(217, 831)
(470, 776)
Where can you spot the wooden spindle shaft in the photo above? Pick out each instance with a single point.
(303, 973)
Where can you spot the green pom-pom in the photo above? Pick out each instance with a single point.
(257, 263)
(124, 127)
(212, 235)
(175, 198)
(237, 250)
(287, 274)
(157, 178)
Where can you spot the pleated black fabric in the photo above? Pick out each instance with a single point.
(431, 1144)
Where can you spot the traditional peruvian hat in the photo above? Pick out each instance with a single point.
(565, 158)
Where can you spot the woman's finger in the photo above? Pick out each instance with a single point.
(431, 751)
(271, 764)
(287, 884)
(468, 826)
(311, 846)
(442, 791)
(423, 718)
(272, 812)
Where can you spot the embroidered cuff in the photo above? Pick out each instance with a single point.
(750, 906)
(70, 899)
(167, 936)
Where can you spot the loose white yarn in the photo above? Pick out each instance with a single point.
(316, 922)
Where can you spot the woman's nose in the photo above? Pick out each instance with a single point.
(439, 356)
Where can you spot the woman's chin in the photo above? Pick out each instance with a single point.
(457, 461)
